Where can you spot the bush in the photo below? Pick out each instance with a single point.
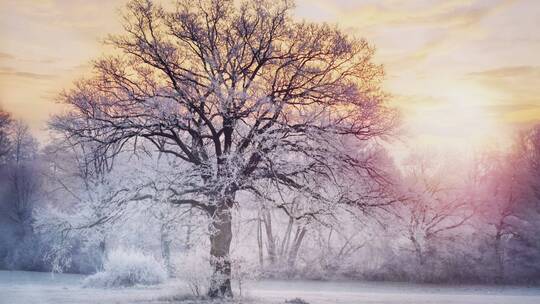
(26, 254)
(193, 267)
(296, 301)
(242, 272)
(128, 268)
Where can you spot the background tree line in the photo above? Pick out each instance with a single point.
(446, 224)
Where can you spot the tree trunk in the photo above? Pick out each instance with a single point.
(166, 248)
(499, 256)
(271, 242)
(293, 253)
(286, 240)
(418, 250)
(102, 249)
(189, 231)
(260, 241)
(220, 243)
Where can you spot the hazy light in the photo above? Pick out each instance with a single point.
(458, 119)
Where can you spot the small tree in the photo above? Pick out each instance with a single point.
(20, 188)
(5, 127)
(238, 93)
(512, 207)
(86, 198)
(23, 177)
(433, 204)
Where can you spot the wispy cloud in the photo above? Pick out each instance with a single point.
(408, 34)
(518, 89)
(4, 56)
(9, 72)
(528, 72)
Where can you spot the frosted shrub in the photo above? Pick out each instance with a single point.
(124, 268)
(296, 301)
(244, 271)
(193, 267)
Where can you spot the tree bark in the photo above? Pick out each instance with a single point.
(166, 248)
(220, 243)
(260, 241)
(286, 240)
(297, 243)
(418, 250)
(499, 256)
(271, 242)
(189, 231)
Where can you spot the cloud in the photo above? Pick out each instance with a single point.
(413, 102)
(9, 72)
(9, 57)
(79, 16)
(381, 13)
(515, 80)
(517, 88)
(451, 25)
(408, 32)
(45, 60)
(505, 108)
(6, 56)
(506, 72)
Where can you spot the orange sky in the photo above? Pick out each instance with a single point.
(463, 72)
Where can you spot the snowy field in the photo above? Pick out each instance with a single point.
(32, 288)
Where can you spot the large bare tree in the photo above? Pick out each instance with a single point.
(238, 93)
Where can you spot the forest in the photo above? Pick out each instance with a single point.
(221, 143)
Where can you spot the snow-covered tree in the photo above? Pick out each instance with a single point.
(20, 187)
(5, 127)
(86, 198)
(434, 202)
(242, 96)
(23, 176)
(511, 208)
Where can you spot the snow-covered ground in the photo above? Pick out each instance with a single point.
(31, 287)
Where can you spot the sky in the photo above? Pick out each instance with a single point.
(464, 73)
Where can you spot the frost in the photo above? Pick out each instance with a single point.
(125, 268)
(296, 301)
(194, 269)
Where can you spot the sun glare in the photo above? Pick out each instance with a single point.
(458, 120)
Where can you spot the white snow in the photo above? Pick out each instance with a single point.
(125, 268)
(19, 287)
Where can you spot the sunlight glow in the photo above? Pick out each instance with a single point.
(459, 120)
